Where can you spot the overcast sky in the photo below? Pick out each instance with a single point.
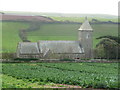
(62, 6)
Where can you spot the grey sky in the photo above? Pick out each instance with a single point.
(62, 6)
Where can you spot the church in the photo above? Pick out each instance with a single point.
(44, 49)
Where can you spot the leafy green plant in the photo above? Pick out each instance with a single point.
(95, 75)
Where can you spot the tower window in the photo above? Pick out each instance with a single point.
(87, 36)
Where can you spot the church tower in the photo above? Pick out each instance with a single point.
(85, 37)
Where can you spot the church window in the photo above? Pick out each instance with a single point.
(87, 36)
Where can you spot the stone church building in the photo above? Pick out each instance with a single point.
(81, 48)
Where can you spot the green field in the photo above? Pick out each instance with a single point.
(53, 31)
(81, 19)
(10, 36)
(85, 75)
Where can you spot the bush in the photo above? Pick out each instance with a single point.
(107, 49)
(8, 55)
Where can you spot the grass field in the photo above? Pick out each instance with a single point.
(54, 31)
(81, 19)
(10, 36)
(85, 75)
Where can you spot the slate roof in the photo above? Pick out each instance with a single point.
(60, 46)
(28, 48)
(86, 26)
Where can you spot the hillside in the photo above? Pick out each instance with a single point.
(54, 31)
(10, 17)
(76, 17)
(67, 30)
(60, 14)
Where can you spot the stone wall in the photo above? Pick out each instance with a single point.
(62, 56)
(86, 40)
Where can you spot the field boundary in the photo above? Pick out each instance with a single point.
(57, 61)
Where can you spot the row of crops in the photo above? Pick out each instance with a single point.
(95, 75)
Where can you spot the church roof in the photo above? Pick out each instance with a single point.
(28, 48)
(60, 46)
(86, 25)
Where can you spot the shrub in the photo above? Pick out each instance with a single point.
(8, 55)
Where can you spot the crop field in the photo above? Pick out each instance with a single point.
(84, 75)
(53, 31)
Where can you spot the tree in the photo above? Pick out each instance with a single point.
(108, 47)
(115, 38)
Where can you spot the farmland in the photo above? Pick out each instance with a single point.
(10, 36)
(24, 18)
(51, 75)
(53, 31)
(81, 19)
(85, 75)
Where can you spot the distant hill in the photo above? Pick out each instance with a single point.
(10, 17)
(50, 17)
(60, 14)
